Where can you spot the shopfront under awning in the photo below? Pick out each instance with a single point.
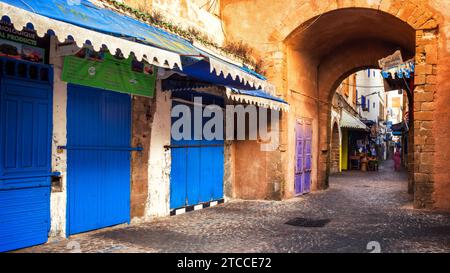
(241, 83)
(351, 122)
(399, 128)
(257, 97)
(100, 26)
(212, 69)
(177, 83)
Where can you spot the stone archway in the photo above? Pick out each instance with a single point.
(344, 45)
(318, 43)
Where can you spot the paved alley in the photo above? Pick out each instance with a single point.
(357, 209)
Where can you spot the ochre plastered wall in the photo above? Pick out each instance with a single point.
(306, 62)
(250, 174)
(255, 173)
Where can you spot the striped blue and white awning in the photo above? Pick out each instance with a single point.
(100, 25)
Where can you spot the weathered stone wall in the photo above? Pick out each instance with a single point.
(196, 14)
(159, 160)
(438, 82)
(335, 148)
(310, 46)
(424, 96)
(142, 119)
(228, 176)
(58, 200)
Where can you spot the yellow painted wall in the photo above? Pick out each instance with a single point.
(344, 153)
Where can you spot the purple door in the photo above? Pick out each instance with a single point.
(298, 185)
(303, 156)
(307, 153)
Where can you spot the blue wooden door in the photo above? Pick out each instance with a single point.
(197, 170)
(98, 158)
(25, 159)
(303, 157)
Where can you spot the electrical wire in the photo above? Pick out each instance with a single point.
(407, 85)
(379, 5)
(212, 6)
(206, 3)
(310, 25)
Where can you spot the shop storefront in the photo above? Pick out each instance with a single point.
(99, 131)
(198, 163)
(26, 90)
(355, 139)
(66, 138)
(86, 136)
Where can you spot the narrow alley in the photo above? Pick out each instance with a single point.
(358, 212)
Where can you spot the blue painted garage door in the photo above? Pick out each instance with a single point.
(98, 158)
(25, 156)
(197, 171)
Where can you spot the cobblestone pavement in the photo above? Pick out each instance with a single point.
(361, 207)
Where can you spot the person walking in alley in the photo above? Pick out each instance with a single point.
(397, 159)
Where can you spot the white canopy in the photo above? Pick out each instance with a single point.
(352, 122)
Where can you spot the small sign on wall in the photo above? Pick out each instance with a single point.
(391, 60)
(105, 71)
(22, 45)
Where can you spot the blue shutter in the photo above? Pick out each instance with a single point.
(98, 158)
(197, 169)
(25, 154)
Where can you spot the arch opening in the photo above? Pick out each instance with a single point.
(324, 52)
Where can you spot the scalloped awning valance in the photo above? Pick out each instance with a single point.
(99, 26)
(258, 98)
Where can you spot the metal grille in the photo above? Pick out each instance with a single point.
(26, 70)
